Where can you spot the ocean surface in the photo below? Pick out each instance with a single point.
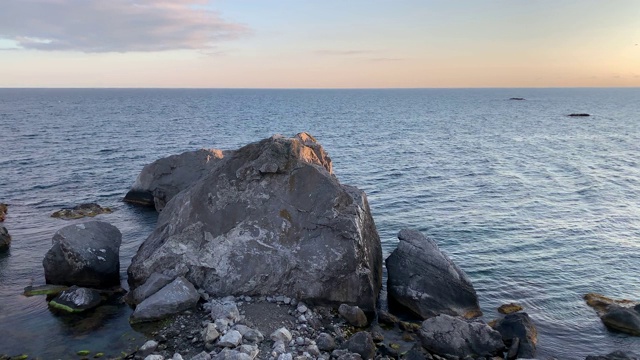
(537, 207)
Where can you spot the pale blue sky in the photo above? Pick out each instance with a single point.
(354, 43)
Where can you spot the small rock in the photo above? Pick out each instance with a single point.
(177, 356)
(387, 318)
(224, 310)
(230, 339)
(326, 342)
(509, 308)
(80, 211)
(579, 114)
(279, 347)
(285, 356)
(210, 333)
(302, 308)
(253, 336)
(281, 334)
(362, 343)
(313, 350)
(202, 356)
(353, 314)
(146, 349)
(222, 324)
(302, 319)
(76, 299)
(287, 300)
(154, 357)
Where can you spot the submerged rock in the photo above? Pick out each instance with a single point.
(161, 180)
(619, 315)
(80, 211)
(175, 297)
(446, 334)
(275, 205)
(509, 308)
(5, 238)
(76, 299)
(84, 254)
(426, 281)
(518, 328)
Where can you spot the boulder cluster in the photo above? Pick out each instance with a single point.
(238, 226)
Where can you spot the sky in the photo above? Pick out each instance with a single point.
(319, 43)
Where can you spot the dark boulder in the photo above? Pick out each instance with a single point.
(455, 336)
(519, 328)
(5, 239)
(362, 343)
(161, 180)
(276, 205)
(84, 254)
(76, 299)
(618, 315)
(424, 280)
(80, 211)
(353, 314)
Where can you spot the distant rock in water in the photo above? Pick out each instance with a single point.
(5, 239)
(3, 211)
(517, 98)
(579, 114)
(269, 218)
(424, 279)
(619, 315)
(86, 254)
(80, 211)
(161, 180)
(76, 299)
(509, 308)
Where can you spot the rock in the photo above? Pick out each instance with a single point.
(354, 315)
(251, 350)
(326, 342)
(154, 357)
(177, 356)
(387, 318)
(3, 211)
(44, 290)
(76, 299)
(424, 280)
(285, 356)
(446, 334)
(210, 334)
(86, 254)
(203, 356)
(253, 336)
(361, 343)
(147, 348)
(80, 211)
(516, 98)
(519, 326)
(175, 297)
(281, 334)
(228, 354)
(5, 238)
(579, 114)
(231, 339)
(509, 308)
(619, 315)
(616, 355)
(154, 283)
(276, 205)
(224, 310)
(161, 180)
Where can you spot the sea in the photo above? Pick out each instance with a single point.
(537, 207)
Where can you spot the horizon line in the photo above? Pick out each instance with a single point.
(305, 88)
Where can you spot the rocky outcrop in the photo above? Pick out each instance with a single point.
(3, 211)
(76, 299)
(519, 333)
(84, 254)
(509, 308)
(618, 315)
(5, 239)
(424, 279)
(161, 180)
(80, 211)
(455, 336)
(269, 218)
(177, 296)
(616, 355)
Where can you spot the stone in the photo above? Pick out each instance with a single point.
(516, 98)
(80, 211)
(224, 310)
(161, 180)
(3, 211)
(231, 339)
(519, 326)
(326, 342)
(445, 334)
(86, 254)
(579, 115)
(210, 333)
(361, 343)
(154, 283)
(424, 279)
(281, 334)
(354, 315)
(274, 204)
(384, 317)
(147, 348)
(175, 297)
(154, 357)
(616, 355)
(509, 308)
(228, 354)
(618, 315)
(177, 356)
(5, 238)
(253, 336)
(202, 356)
(76, 299)
(285, 356)
(251, 350)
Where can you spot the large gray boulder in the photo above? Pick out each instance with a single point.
(269, 218)
(177, 296)
(423, 279)
(455, 336)
(86, 254)
(161, 180)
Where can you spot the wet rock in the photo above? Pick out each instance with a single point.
(3, 211)
(618, 315)
(76, 299)
(509, 308)
(446, 334)
(154, 283)
(353, 314)
(616, 355)
(86, 254)
(519, 326)
(326, 342)
(361, 343)
(175, 297)
(426, 281)
(161, 180)
(5, 239)
(276, 205)
(80, 211)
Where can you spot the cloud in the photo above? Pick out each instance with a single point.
(115, 25)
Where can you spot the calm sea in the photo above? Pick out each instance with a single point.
(537, 207)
